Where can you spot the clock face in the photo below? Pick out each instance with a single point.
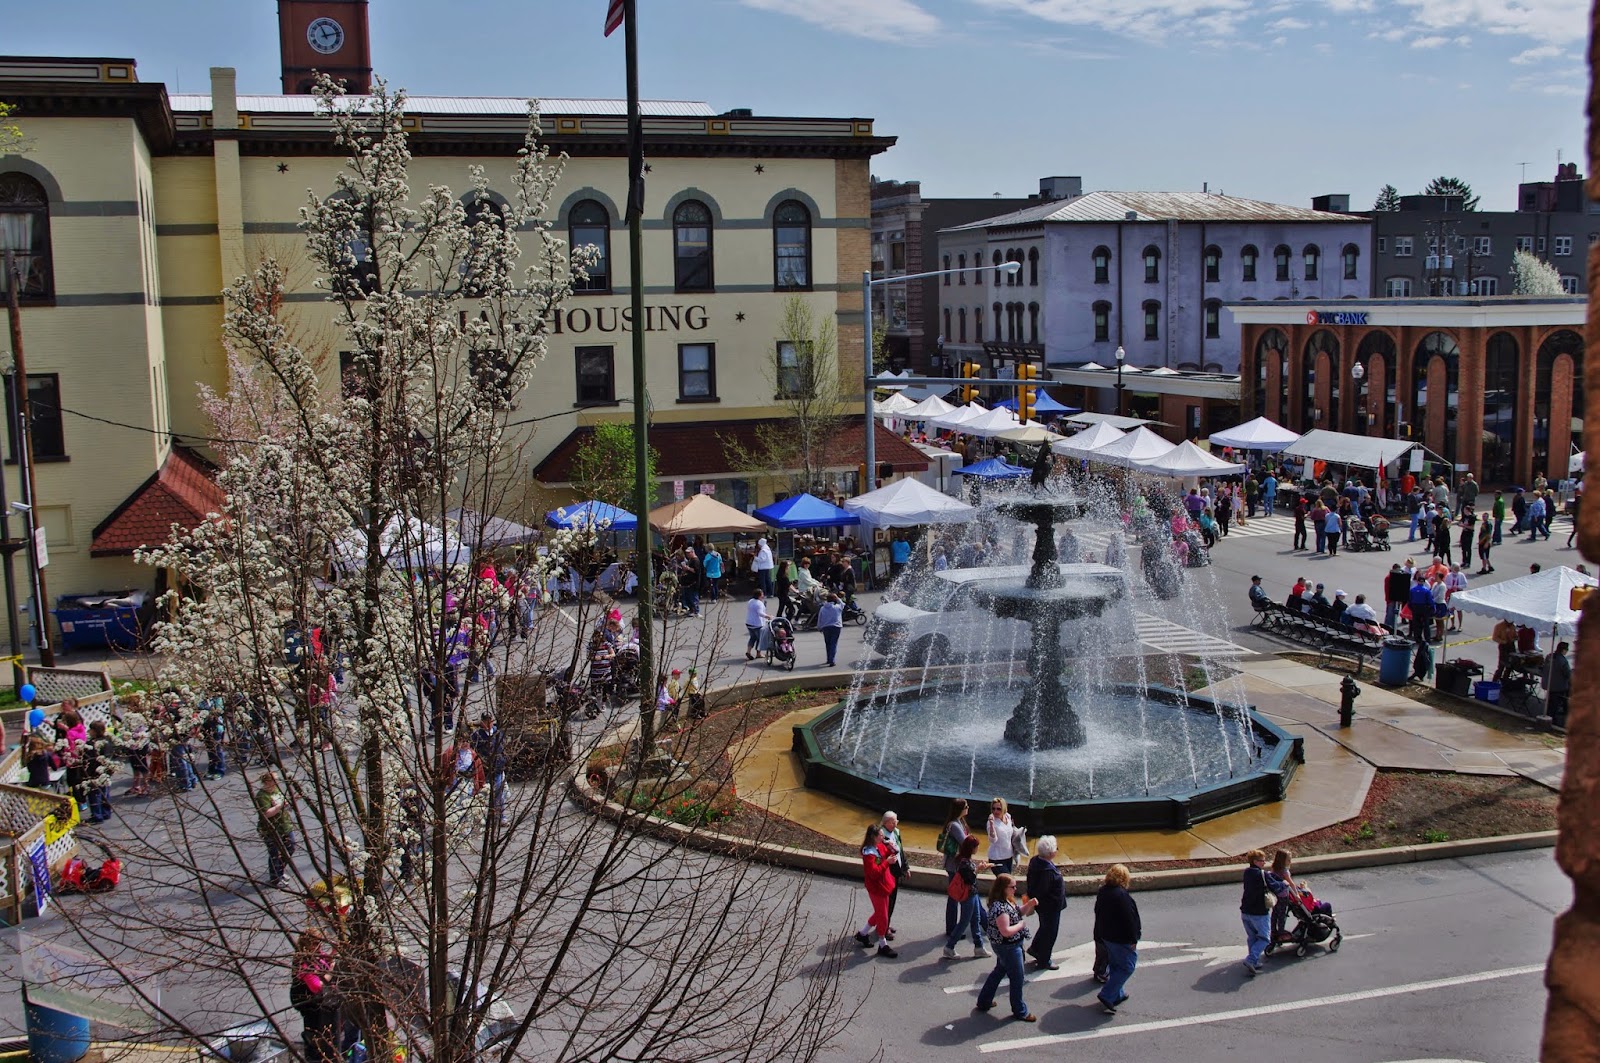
(325, 35)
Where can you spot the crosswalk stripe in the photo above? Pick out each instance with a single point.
(1168, 637)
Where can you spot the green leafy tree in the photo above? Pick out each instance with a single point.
(603, 467)
(1531, 276)
(1388, 199)
(11, 138)
(1452, 186)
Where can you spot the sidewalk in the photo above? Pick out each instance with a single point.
(1390, 732)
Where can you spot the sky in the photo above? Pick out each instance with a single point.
(1279, 100)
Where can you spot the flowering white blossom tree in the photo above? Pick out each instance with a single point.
(1534, 276)
(456, 929)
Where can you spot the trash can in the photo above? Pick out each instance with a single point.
(1452, 680)
(1486, 690)
(54, 1036)
(103, 620)
(1394, 664)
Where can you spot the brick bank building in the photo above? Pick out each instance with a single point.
(1494, 385)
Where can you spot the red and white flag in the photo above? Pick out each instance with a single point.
(614, 13)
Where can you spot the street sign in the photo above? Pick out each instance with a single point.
(39, 861)
(708, 487)
(41, 549)
(677, 490)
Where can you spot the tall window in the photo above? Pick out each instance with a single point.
(697, 372)
(1312, 257)
(1404, 246)
(962, 260)
(998, 328)
(1525, 244)
(357, 273)
(1273, 347)
(1033, 322)
(486, 224)
(977, 268)
(1213, 319)
(947, 334)
(691, 247)
(1033, 267)
(1247, 259)
(791, 246)
(44, 411)
(1102, 265)
(1152, 264)
(961, 318)
(597, 379)
(1352, 256)
(1213, 262)
(947, 267)
(997, 274)
(1280, 262)
(1500, 409)
(25, 229)
(1482, 245)
(977, 324)
(1152, 320)
(792, 375)
(589, 225)
(1102, 322)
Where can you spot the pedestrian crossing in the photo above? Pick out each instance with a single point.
(1167, 637)
(1277, 524)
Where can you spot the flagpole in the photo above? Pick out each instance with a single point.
(641, 402)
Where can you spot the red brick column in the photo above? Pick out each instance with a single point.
(1324, 366)
(1297, 378)
(1377, 385)
(1469, 411)
(1560, 418)
(1438, 403)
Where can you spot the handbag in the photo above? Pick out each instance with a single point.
(958, 890)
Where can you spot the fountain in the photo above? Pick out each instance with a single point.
(1079, 751)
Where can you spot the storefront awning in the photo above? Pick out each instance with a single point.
(1342, 448)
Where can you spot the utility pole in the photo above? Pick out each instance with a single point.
(7, 546)
(19, 383)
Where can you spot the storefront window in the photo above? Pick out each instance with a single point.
(1500, 410)
(1437, 345)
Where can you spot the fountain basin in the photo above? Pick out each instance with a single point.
(1205, 759)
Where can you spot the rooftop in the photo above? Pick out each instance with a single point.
(200, 103)
(1155, 207)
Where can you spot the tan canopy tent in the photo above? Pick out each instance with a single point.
(701, 515)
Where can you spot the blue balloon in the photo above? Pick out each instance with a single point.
(35, 718)
(27, 693)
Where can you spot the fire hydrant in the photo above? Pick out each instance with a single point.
(1348, 693)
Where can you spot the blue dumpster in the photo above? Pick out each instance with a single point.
(54, 1036)
(1394, 665)
(104, 620)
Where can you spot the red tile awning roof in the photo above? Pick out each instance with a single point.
(182, 492)
(697, 450)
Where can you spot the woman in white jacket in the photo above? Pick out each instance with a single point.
(1001, 855)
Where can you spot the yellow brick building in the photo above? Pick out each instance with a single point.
(133, 206)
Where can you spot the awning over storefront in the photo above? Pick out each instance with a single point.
(1342, 448)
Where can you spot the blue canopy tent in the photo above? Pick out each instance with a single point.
(805, 511)
(1043, 404)
(993, 469)
(592, 513)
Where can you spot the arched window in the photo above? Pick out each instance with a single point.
(1436, 346)
(1351, 256)
(1500, 410)
(1557, 410)
(1280, 261)
(1033, 322)
(1248, 256)
(486, 224)
(589, 225)
(1152, 320)
(691, 247)
(791, 247)
(947, 268)
(1312, 257)
(1102, 265)
(946, 334)
(1376, 356)
(1102, 322)
(1152, 264)
(961, 322)
(1321, 342)
(977, 268)
(961, 261)
(356, 274)
(1012, 278)
(1033, 267)
(1272, 348)
(1213, 319)
(25, 229)
(977, 324)
(998, 313)
(997, 273)
(1213, 263)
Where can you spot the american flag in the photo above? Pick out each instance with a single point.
(614, 14)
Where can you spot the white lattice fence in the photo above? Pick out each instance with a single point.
(88, 685)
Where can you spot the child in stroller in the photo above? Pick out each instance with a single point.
(1314, 922)
(780, 642)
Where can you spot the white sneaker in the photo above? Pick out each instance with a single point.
(949, 953)
(980, 952)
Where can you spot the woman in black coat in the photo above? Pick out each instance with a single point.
(1116, 930)
(1046, 886)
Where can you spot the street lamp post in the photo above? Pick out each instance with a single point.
(1357, 372)
(1122, 359)
(870, 450)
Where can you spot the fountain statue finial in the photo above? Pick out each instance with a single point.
(1042, 465)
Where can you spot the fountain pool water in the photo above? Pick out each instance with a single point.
(1078, 748)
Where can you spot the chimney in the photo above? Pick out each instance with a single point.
(1052, 188)
(1337, 203)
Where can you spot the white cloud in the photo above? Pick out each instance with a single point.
(1395, 33)
(1149, 19)
(1435, 41)
(1347, 7)
(1284, 24)
(1323, 47)
(1537, 55)
(1562, 81)
(881, 20)
(1553, 21)
(1279, 42)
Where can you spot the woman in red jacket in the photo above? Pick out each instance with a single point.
(877, 857)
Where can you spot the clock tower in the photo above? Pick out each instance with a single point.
(328, 37)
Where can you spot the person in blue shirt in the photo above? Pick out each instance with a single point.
(899, 555)
(1269, 492)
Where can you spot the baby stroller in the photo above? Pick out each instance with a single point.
(1358, 539)
(1378, 528)
(1314, 925)
(780, 643)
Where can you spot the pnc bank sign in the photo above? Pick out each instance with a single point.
(1337, 317)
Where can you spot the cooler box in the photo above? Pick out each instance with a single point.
(1452, 680)
(104, 620)
(1486, 690)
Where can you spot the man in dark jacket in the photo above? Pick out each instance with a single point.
(1421, 602)
(1046, 886)
(489, 744)
(1396, 592)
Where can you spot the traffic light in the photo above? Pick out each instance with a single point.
(1026, 396)
(970, 370)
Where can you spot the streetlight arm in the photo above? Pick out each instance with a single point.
(873, 282)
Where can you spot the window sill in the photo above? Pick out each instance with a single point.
(694, 291)
(593, 291)
(42, 459)
(692, 399)
(798, 287)
(593, 404)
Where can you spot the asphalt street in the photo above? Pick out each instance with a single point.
(1441, 961)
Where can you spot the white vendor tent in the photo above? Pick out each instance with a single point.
(1032, 432)
(991, 424)
(1115, 420)
(408, 543)
(1141, 444)
(907, 504)
(1185, 460)
(895, 405)
(1096, 435)
(1541, 600)
(932, 406)
(1259, 434)
(1342, 448)
(960, 416)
